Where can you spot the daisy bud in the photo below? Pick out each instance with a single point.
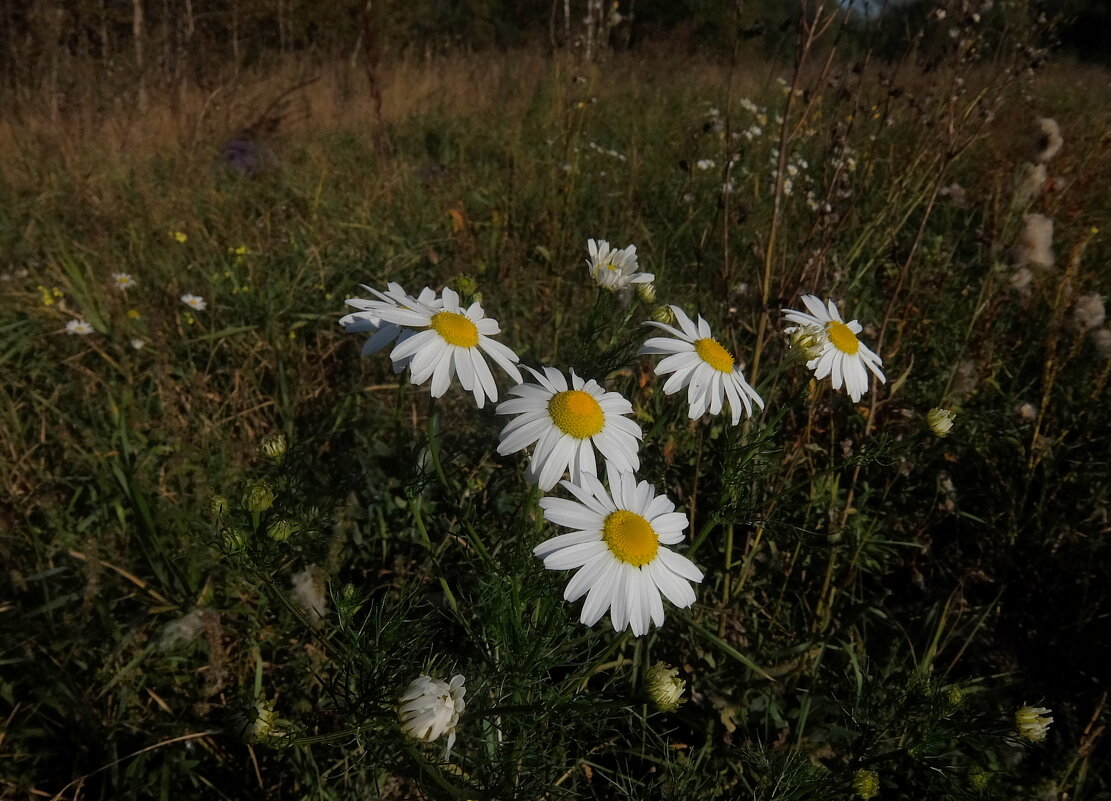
(646, 292)
(273, 447)
(430, 708)
(866, 784)
(216, 506)
(665, 688)
(234, 539)
(280, 530)
(807, 341)
(1033, 722)
(954, 696)
(978, 778)
(258, 496)
(256, 723)
(940, 421)
(663, 314)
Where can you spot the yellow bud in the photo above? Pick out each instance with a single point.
(866, 784)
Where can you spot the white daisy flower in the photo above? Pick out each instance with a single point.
(698, 362)
(194, 301)
(452, 342)
(835, 350)
(614, 269)
(430, 708)
(123, 280)
(567, 423)
(80, 328)
(384, 333)
(615, 544)
(137, 343)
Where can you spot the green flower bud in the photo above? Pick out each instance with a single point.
(273, 446)
(258, 496)
(866, 784)
(663, 314)
(281, 530)
(646, 292)
(954, 696)
(978, 777)
(665, 688)
(234, 539)
(216, 506)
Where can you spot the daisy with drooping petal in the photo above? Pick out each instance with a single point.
(384, 333)
(194, 301)
(430, 708)
(567, 422)
(453, 341)
(80, 328)
(834, 349)
(698, 362)
(616, 544)
(614, 269)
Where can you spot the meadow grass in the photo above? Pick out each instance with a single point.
(875, 598)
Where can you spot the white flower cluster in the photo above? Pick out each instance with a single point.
(621, 531)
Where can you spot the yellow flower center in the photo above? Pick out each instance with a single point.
(576, 413)
(455, 329)
(714, 354)
(842, 337)
(630, 537)
(611, 266)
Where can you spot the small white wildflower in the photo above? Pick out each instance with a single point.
(1089, 312)
(123, 281)
(194, 302)
(80, 328)
(137, 343)
(614, 269)
(704, 164)
(430, 708)
(1026, 412)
